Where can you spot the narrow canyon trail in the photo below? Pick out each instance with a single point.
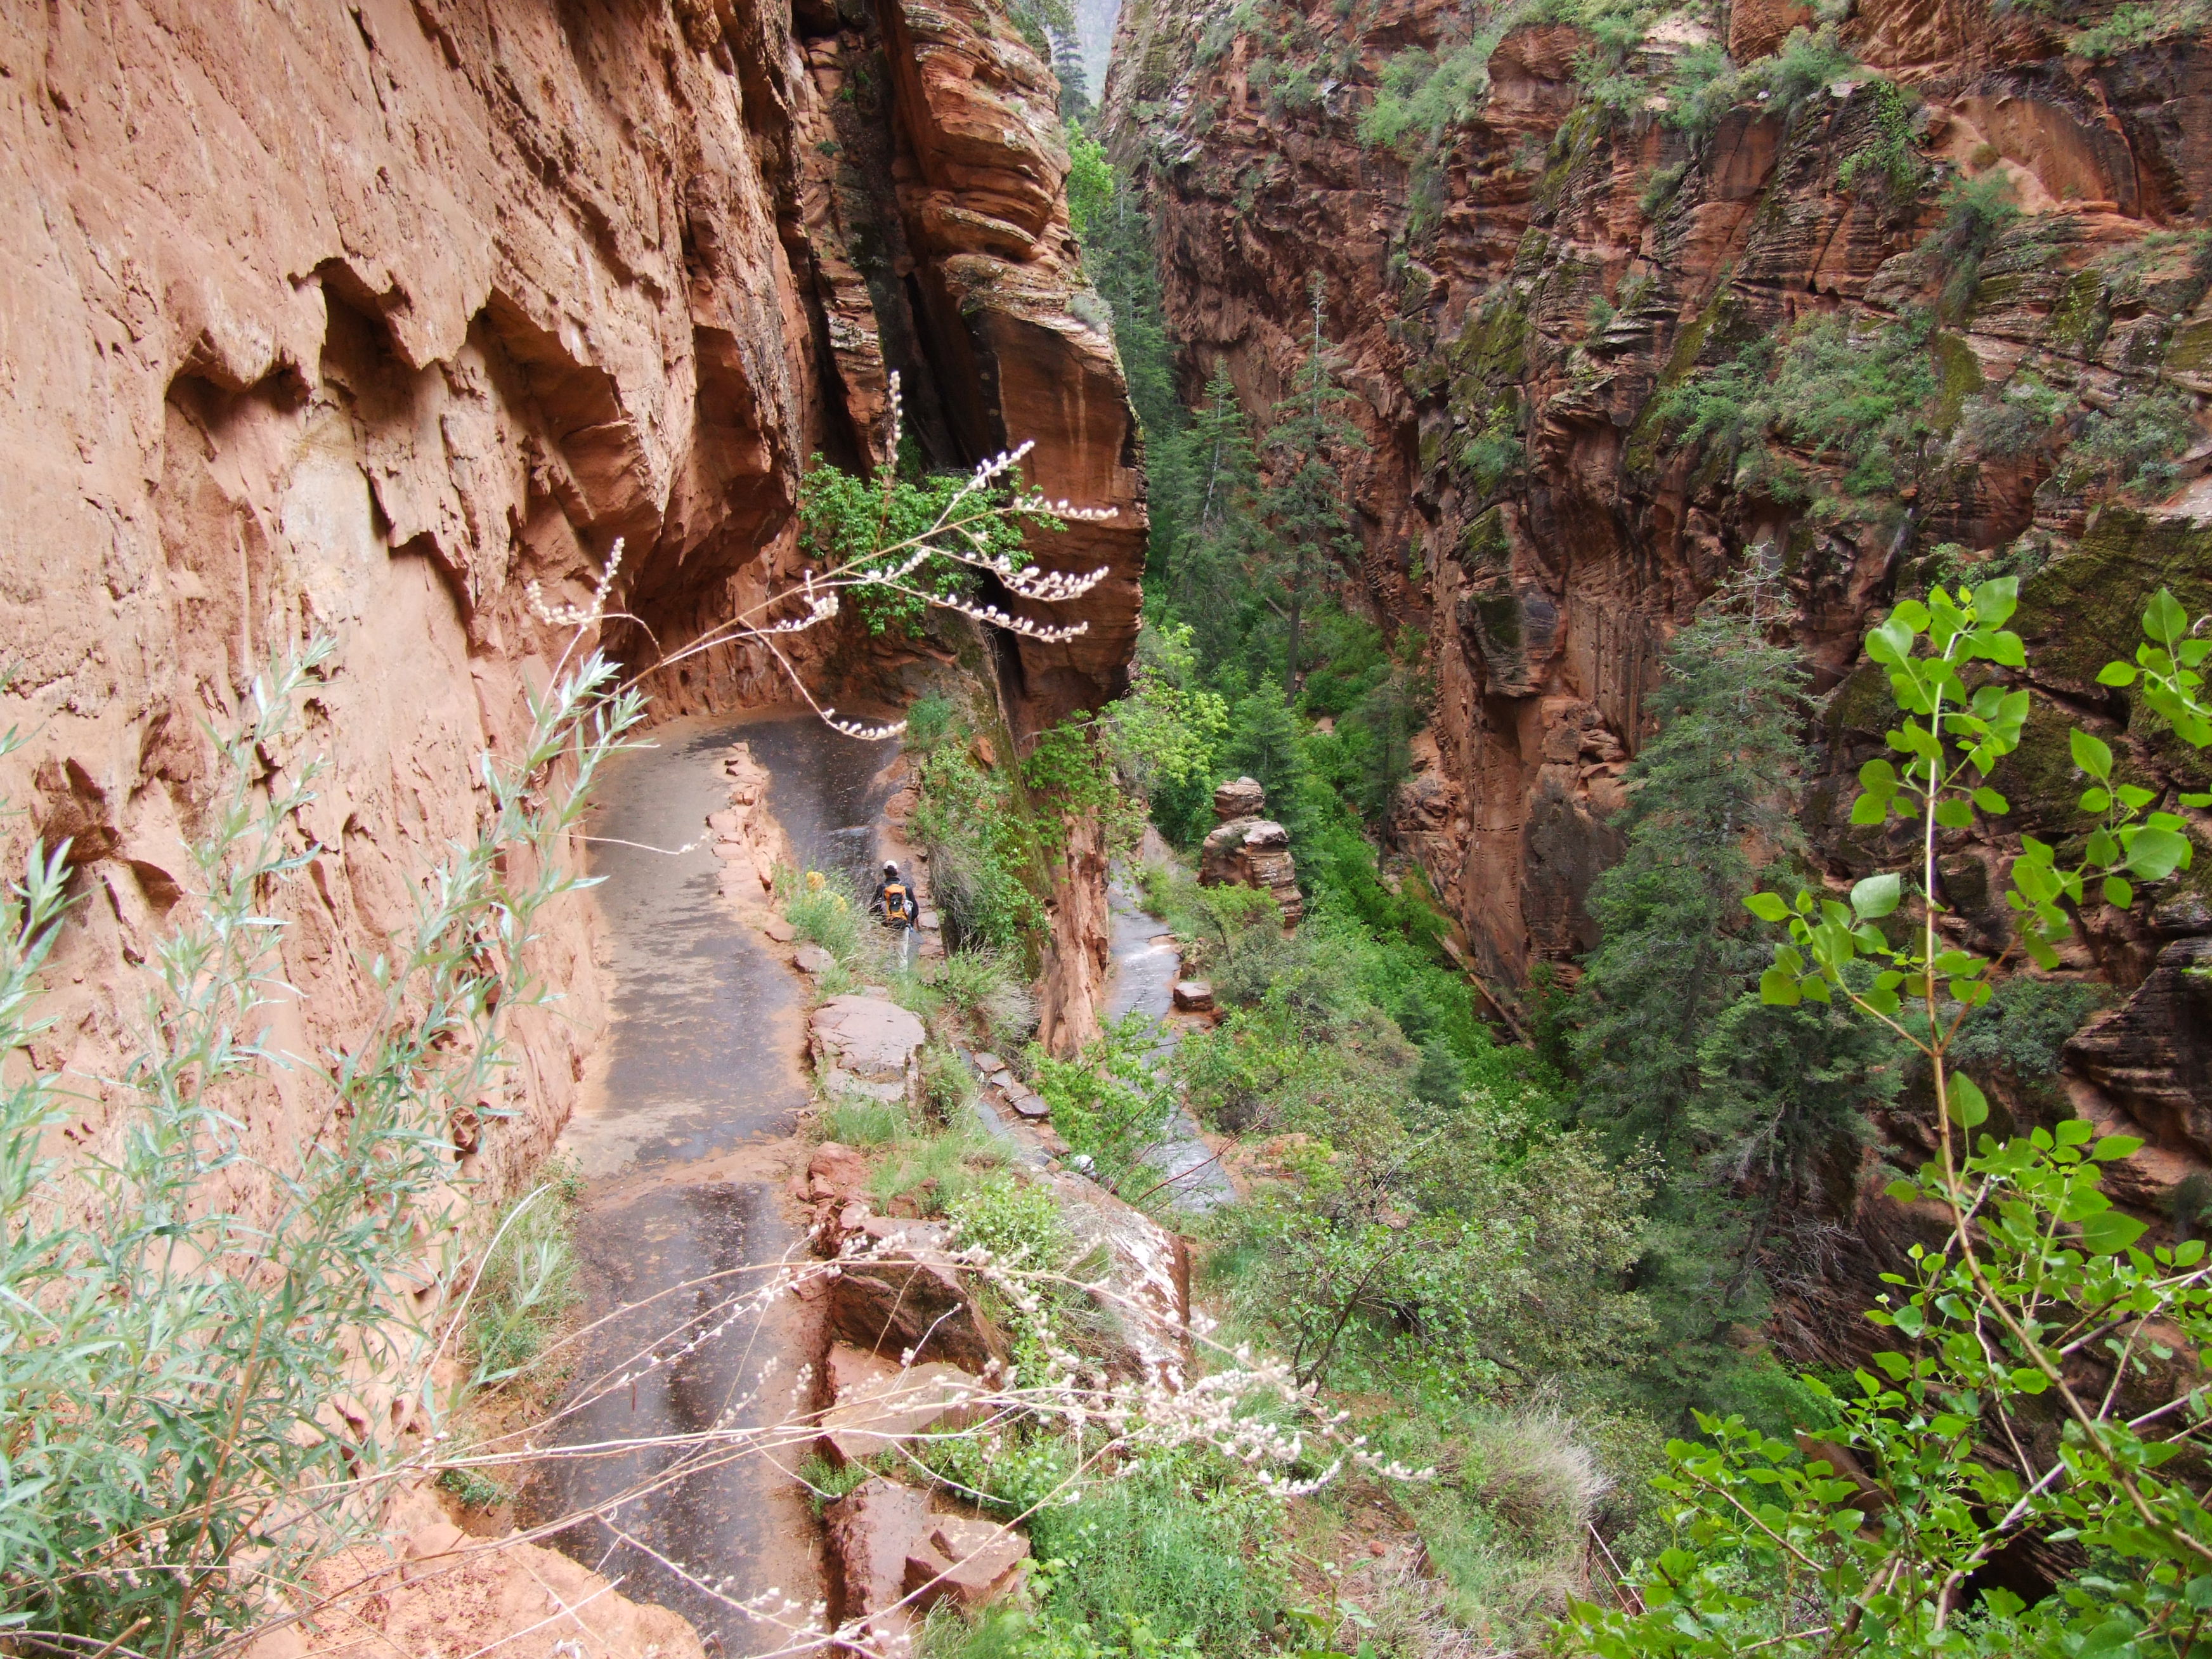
(684, 1144)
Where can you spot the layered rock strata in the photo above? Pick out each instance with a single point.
(358, 320)
(1245, 850)
(1512, 300)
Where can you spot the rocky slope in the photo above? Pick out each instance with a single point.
(1512, 296)
(355, 319)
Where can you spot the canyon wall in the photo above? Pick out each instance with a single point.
(1511, 297)
(355, 318)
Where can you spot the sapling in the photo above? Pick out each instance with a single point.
(2049, 1383)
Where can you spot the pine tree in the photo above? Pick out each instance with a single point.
(1214, 521)
(1746, 1106)
(1303, 504)
(1075, 105)
(1716, 782)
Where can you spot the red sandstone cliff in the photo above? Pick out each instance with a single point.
(1546, 269)
(356, 318)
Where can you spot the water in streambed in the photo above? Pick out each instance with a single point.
(1145, 964)
(704, 1070)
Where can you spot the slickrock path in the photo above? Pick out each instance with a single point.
(685, 1148)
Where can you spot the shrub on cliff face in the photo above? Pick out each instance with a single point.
(1861, 400)
(2133, 448)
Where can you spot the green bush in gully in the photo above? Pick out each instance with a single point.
(2043, 1387)
(181, 1314)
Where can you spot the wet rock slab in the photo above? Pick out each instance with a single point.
(867, 1045)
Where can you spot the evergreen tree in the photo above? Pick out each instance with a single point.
(1717, 782)
(1263, 744)
(1303, 504)
(1746, 1106)
(1204, 567)
(1075, 104)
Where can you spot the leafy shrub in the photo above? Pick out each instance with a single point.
(947, 1084)
(177, 1361)
(1890, 161)
(1016, 1220)
(2133, 447)
(824, 909)
(2023, 1031)
(527, 1282)
(1809, 62)
(987, 993)
(1112, 1102)
(2135, 25)
(845, 518)
(931, 723)
(1860, 399)
(1420, 95)
(1473, 1260)
(827, 1482)
(1976, 213)
(930, 1172)
(984, 853)
(2015, 421)
(1173, 1543)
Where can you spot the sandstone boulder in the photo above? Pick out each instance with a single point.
(1193, 996)
(876, 1404)
(1239, 798)
(835, 1173)
(867, 1045)
(870, 1532)
(969, 1563)
(899, 1294)
(1254, 853)
(1143, 1274)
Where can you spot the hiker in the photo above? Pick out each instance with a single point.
(894, 899)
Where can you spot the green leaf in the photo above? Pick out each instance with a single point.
(2155, 853)
(1767, 907)
(2092, 755)
(1876, 896)
(1970, 1108)
(2117, 673)
(1777, 988)
(1890, 643)
(2110, 1232)
(1996, 599)
(1869, 809)
(1991, 802)
(2098, 799)
(1954, 814)
(2165, 620)
(2028, 1380)
(2111, 1148)
(2118, 893)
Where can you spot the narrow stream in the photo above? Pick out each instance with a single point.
(1145, 964)
(705, 1071)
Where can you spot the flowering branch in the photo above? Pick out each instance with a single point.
(968, 529)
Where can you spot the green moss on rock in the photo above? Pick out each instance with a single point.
(1958, 375)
